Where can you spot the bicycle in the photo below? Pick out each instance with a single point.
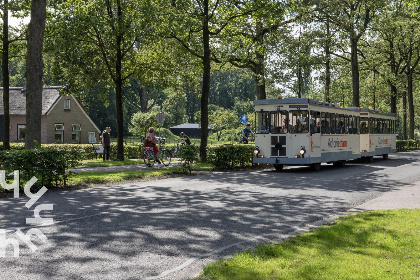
(149, 156)
(175, 150)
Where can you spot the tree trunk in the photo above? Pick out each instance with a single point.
(6, 82)
(327, 64)
(404, 128)
(34, 65)
(143, 100)
(355, 72)
(393, 98)
(299, 82)
(206, 84)
(410, 103)
(259, 63)
(393, 87)
(118, 91)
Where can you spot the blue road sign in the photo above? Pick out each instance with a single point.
(243, 119)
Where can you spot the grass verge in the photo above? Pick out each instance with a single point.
(101, 163)
(370, 245)
(111, 177)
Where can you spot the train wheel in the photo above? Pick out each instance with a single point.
(385, 156)
(316, 166)
(278, 167)
(370, 159)
(340, 163)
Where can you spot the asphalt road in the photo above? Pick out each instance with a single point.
(170, 229)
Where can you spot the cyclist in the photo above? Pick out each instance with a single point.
(245, 133)
(185, 139)
(150, 141)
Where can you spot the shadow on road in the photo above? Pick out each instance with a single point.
(138, 230)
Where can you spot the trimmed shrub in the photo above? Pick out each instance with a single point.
(49, 166)
(404, 145)
(230, 155)
(188, 155)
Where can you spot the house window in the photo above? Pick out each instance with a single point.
(67, 104)
(92, 137)
(21, 132)
(75, 134)
(59, 133)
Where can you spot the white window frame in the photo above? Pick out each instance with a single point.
(76, 129)
(92, 137)
(19, 127)
(67, 104)
(59, 130)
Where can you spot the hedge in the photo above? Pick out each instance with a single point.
(404, 145)
(49, 166)
(229, 156)
(86, 151)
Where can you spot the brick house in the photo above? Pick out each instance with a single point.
(63, 120)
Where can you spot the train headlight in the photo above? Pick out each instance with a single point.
(256, 151)
(302, 151)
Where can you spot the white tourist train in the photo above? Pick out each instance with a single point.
(301, 131)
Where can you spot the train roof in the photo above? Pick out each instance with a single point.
(295, 100)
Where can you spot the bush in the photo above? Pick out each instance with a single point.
(404, 145)
(49, 166)
(188, 155)
(230, 155)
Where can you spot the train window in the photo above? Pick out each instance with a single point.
(385, 126)
(351, 127)
(339, 124)
(364, 125)
(329, 123)
(279, 122)
(357, 124)
(372, 125)
(315, 122)
(378, 126)
(299, 121)
(262, 124)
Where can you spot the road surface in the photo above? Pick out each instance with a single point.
(171, 228)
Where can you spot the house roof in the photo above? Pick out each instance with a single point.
(17, 101)
(187, 125)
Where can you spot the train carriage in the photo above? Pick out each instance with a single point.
(299, 131)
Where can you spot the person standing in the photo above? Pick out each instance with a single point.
(245, 133)
(106, 143)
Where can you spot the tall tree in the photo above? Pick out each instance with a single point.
(34, 70)
(104, 42)
(249, 42)
(198, 27)
(353, 18)
(6, 77)
(9, 50)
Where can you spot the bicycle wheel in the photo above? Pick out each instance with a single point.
(149, 157)
(165, 157)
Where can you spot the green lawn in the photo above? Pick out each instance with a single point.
(106, 177)
(100, 162)
(87, 178)
(371, 245)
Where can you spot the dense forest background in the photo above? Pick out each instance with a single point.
(206, 61)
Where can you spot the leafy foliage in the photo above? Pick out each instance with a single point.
(230, 155)
(49, 166)
(188, 155)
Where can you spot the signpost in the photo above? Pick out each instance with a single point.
(243, 119)
(160, 118)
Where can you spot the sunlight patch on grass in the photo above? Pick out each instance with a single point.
(370, 245)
